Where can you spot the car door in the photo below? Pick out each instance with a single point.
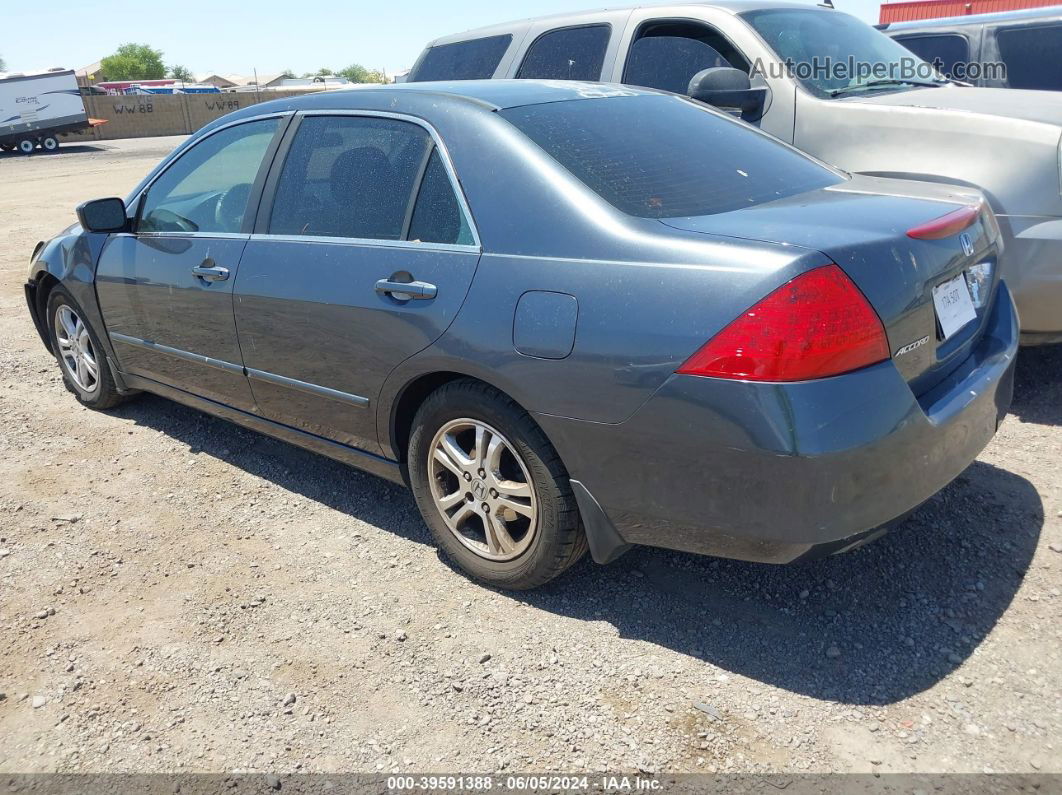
(165, 290)
(363, 258)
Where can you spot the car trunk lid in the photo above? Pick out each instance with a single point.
(862, 225)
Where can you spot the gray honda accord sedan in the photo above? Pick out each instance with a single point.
(570, 316)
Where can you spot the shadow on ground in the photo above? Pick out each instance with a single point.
(1038, 385)
(876, 625)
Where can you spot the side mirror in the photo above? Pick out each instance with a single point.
(728, 88)
(103, 215)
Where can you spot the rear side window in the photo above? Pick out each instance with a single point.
(349, 176)
(941, 51)
(463, 60)
(366, 178)
(666, 55)
(437, 217)
(665, 157)
(1031, 56)
(567, 54)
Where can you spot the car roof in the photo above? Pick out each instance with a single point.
(1045, 12)
(588, 15)
(489, 94)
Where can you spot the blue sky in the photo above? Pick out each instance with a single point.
(270, 35)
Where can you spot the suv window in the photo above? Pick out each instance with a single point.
(1031, 56)
(207, 188)
(567, 54)
(357, 177)
(463, 60)
(710, 163)
(666, 55)
(942, 51)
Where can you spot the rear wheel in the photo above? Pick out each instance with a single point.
(81, 356)
(49, 143)
(26, 146)
(492, 489)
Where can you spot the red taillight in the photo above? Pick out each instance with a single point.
(946, 225)
(815, 326)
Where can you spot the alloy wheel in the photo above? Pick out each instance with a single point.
(482, 489)
(76, 350)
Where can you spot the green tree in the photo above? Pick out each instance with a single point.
(2, 65)
(356, 73)
(288, 74)
(182, 73)
(134, 62)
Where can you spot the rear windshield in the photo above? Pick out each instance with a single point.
(463, 60)
(666, 157)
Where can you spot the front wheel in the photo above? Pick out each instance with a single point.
(81, 356)
(26, 146)
(492, 489)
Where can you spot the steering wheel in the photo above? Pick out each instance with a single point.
(163, 220)
(231, 206)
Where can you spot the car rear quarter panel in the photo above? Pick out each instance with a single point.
(648, 295)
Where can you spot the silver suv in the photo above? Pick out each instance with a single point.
(735, 54)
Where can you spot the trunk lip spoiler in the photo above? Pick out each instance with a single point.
(948, 224)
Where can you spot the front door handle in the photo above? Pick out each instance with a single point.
(209, 272)
(404, 291)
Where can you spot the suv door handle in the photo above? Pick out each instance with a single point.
(403, 291)
(209, 272)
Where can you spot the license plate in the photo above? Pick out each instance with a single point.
(954, 306)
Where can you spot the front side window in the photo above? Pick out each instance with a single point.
(1031, 56)
(942, 51)
(463, 60)
(367, 178)
(567, 54)
(821, 44)
(207, 189)
(658, 156)
(666, 55)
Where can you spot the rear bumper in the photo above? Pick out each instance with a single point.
(1033, 266)
(776, 472)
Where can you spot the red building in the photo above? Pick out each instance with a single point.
(935, 9)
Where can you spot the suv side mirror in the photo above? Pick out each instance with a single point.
(728, 88)
(103, 215)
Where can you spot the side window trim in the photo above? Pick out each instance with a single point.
(636, 34)
(414, 195)
(550, 31)
(257, 188)
(265, 208)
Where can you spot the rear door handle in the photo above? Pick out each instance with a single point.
(403, 291)
(209, 272)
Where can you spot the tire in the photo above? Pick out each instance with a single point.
(26, 145)
(537, 548)
(70, 341)
(49, 143)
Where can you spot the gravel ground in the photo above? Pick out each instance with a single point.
(179, 594)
